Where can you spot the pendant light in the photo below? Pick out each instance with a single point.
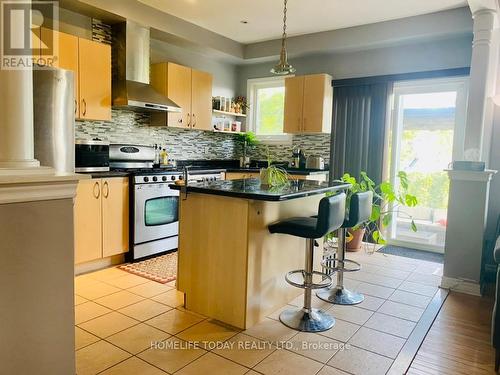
(283, 67)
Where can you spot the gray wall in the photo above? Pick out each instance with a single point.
(435, 55)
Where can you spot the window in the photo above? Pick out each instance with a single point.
(267, 103)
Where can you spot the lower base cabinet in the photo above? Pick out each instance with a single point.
(101, 217)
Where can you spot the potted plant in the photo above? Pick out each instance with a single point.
(241, 105)
(387, 198)
(247, 139)
(273, 175)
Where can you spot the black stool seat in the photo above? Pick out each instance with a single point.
(330, 217)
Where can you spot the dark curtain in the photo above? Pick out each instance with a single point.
(359, 129)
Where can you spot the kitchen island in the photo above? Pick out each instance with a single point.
(230, 267)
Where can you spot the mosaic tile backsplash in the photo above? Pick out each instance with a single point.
(181, 144)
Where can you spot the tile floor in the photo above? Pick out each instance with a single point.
(126, 324)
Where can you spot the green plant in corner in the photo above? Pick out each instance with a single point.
(387, 199)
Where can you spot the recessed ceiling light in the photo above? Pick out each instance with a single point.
(244, 22)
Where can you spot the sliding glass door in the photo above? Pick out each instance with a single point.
(428, 121)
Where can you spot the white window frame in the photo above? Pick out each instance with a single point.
(252, 86)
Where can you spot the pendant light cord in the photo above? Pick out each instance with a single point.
(283, 39)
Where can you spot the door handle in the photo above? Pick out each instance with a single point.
(194, 119)
(189, 120)
(304, 124)
(84, 107)
(105, 193)
(76, 106)
(97, 192)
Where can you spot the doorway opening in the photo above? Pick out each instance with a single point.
(427, 130)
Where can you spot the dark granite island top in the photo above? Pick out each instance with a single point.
(252, 189)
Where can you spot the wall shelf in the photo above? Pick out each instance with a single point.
(216, 111)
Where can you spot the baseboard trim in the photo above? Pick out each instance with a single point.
(461, 286)
(99, 264)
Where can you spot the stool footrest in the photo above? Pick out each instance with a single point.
(333, 258)
(325, 283)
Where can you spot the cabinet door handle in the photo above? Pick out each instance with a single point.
(76, 106)
(97, 190)
(84, 107)
(105, 193)
(194, 119)
(304, 124)
(189, 120)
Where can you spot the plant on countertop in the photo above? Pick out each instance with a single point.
(273, 175)
(241, 102)
(387, 198)
(247, 139)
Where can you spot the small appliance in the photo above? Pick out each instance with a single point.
(91, 156)
(315, 162)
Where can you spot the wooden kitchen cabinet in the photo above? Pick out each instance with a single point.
(88, 221)
(189, 88)
(101, 218)
(94, 75)
(241, 175)
(245, 175)
(308, 104)
(115, 216)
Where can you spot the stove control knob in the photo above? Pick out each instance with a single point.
(146, 179)
(155, 178)
(172, 178)
(164, 178)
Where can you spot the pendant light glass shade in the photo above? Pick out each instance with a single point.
(283, 67)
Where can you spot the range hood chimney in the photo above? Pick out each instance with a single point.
(131, 88)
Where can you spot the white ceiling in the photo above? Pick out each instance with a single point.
(304, 16)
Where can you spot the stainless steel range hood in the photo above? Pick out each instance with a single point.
(131, 88)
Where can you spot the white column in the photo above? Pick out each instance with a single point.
(482, 84)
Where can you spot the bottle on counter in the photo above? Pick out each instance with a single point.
(157, 155)
(164, 157)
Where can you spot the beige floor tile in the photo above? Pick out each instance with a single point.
(351, 314)
(417, 288)
(174, 321)
(341, 331)
(314, 346)
(371, 303)
(209, 332)
(429, 268)
(276, 314)
(402, 311)
(89, 310)
(172, 298)
(98, 357)
(127, 281)
(285, 362)
(150, 289)
(245, 350)
(108, 274)
(174, 355)
(430, 280)
(412, 299)
(374, 290)
(378, 342)
(315, 302)
(327, 370)
(79, 300)
(118, 300)
(212, 364)
(95, 290)
(84, 338)
(108, 324)
(270, 330)
(385, 271)
(84, 281)
(137, 338)
(360, 362)
(133, 366)
(390, 324)
(145, 310)
(374, 278)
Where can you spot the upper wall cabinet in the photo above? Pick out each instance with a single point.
(190, 89)
(308, 104)
(91, 63)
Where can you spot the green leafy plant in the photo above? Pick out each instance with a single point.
(274, 175)
(387, 198)
(248, 138)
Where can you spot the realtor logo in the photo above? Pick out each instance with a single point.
(27, 34)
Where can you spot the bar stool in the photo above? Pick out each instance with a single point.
(360, 210)
(330, 217)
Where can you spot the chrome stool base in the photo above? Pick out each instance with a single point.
(312, 320)
(340, 296)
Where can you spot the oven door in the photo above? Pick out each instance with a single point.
(156, 212)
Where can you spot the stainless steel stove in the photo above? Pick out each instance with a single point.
(154, 206)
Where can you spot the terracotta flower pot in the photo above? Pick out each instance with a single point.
(357, 240)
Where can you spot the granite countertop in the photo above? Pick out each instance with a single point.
(292, 171)
(252, 189)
